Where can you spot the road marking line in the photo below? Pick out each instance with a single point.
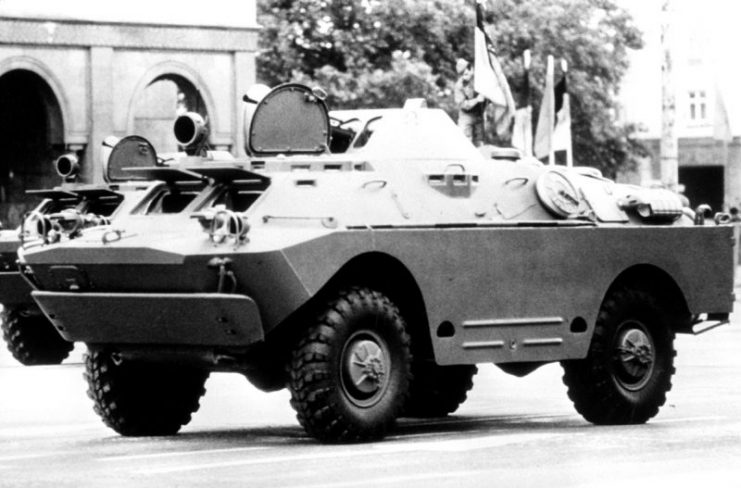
(687, 419)
(401, 478)
(21, 457)
(178, 453)
(27, 431)
(450, 445)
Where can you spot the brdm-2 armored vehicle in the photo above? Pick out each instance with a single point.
(63, 212)
(368, 260)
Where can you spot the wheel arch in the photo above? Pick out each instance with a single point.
(386, 274)
(661, 285)
(374, 270)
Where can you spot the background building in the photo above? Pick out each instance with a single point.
(74, 72)
(708, 102)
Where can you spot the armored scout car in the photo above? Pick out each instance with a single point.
(368, 260)
(63, 212)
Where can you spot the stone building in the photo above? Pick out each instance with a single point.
(74, 72)
(707, 101)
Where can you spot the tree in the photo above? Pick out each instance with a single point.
(375, 53)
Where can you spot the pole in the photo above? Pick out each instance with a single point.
(551, 113)
(668, 148)
(528, 135)
(567, 107)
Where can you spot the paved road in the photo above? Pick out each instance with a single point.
(511, 432)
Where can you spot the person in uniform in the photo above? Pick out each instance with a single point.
(470, 104)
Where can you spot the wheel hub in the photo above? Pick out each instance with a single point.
(366, 366)
(635, 356)
(365, 369)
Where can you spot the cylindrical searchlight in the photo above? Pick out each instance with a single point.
(67, 165)
(191, 132)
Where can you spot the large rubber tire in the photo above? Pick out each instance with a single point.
(437, 391)
(627, 372)
(350, 372)
(31, 338)
(142, 398)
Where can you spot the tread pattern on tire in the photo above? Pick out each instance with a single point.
(143, 399)
(315, 391)
(437, 391)
(31, 338)
(590, 383)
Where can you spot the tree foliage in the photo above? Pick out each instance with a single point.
(377, 53)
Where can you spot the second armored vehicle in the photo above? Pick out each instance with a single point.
(63, 212)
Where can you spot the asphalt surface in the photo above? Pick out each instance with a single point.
(510, 432)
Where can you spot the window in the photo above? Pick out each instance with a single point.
(236, 198)
(170, 199)
(698, 105)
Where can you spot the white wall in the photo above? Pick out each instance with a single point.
(707, 37)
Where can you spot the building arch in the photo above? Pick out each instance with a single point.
(190, 86)
(55, 98)
(32, 135)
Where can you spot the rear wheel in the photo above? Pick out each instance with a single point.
(350, 373)
(437, 391)
(31, 338)
(141, 398)
(627, 372)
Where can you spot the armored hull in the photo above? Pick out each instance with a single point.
(379, 274)
(62, 212)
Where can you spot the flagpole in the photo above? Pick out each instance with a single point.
(567, 105)
(528, 136)
(668, 146)
(551, 115)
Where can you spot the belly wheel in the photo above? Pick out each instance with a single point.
(627, 372)
(437, 391)
(350, 372)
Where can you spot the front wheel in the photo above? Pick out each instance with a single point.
(31, 338)
(137, 398)
(627, 372)
(350, 373)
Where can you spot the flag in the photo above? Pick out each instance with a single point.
(488, 77)
(543, 146)
(554, 122)
(562, 131)
(522, 130)
(721, 124)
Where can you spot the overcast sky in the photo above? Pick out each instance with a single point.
(187, 12)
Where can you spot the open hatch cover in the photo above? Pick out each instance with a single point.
(129, 152)
(290, 119)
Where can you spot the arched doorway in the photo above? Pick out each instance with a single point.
(155, 111)
(31, 137)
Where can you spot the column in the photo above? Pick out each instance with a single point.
(100, 110)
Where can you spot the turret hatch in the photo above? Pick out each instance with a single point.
(290, 119)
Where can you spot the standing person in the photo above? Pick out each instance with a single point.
(470, 104)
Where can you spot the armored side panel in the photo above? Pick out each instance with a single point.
(514, 293)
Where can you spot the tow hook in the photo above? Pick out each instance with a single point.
(222, 264)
